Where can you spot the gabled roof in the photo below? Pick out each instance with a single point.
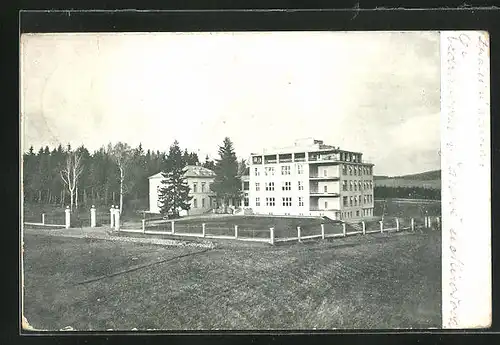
(192, 171)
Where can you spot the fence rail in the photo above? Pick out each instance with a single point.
(242, 232)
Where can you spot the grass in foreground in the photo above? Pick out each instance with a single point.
(380, 281)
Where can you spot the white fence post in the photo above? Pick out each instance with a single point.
(236, 231)
(381, 226)
(397, 224)
(117, 219)
(271, 240)
(92, 217)
(112, 216)
(344, 232)
(322, 231)
(68, 217)
(364, 227)
(425, 221)
(43, 218)
(412, 224)
(173, 226)
(143, 225)
(298, 234)
(203, 229)
(437, 223)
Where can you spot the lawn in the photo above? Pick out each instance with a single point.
(248, 226)
(406, 208)
(373, 281)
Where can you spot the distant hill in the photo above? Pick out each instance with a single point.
(428, 179)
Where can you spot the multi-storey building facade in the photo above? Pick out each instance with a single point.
(311, 178)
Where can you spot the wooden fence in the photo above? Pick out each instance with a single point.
(233, 232)
(241, 232)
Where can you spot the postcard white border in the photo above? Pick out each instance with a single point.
(466, 171)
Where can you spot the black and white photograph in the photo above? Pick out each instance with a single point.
(188, 181)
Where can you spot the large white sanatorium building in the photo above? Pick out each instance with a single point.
(311, 179)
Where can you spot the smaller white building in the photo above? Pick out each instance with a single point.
(198, 179)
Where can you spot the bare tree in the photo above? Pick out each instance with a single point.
(71, 172)
(121, 154)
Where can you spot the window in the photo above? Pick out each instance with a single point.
(257, 172)
(344, 169)
(286, 186)
(325, 189)
(357, 213)
(203, 187)
(194, 188)
(269, 201)
(301, 185)
(301, 201)
(257, 201)
(203, 202)
(350, 201)
(269, 171)
(364, 199)
(287, 201)
(355, 201)
(326, 205)
(285, 170)
(245, 201)
(269, 186)
(344, 200)
(355, 170)
(359, 185)
(325, 172)
(350, 170)
(257, 186)
(350, 186)
(300, 169)
(195, 203)
(344, 185)
(355, 186)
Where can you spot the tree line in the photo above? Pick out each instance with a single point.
(113, 174)
(384, 192)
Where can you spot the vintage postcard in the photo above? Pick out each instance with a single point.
(255, 181)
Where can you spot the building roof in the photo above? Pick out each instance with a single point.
(192, 171)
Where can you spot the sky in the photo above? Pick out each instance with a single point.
(372, 92)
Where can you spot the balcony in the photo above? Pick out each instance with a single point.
(316, 192)
(323, 159)
(300, 159)
(316, 208)
(285, 160)
(315, 176)
(270, 161)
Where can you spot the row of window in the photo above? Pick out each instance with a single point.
(285, 186)
(356, 170)
(285, 170)
(349, 201)
(205, 202)
(356, 185)
(204, 187)
(285, 201)
(349, 214)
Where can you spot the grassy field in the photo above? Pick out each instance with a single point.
(404, 182)
(406, 208)
(248, 226)
(376, 281)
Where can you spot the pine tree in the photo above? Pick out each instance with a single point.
(174, 193)
(227, 183)
(209, 164)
